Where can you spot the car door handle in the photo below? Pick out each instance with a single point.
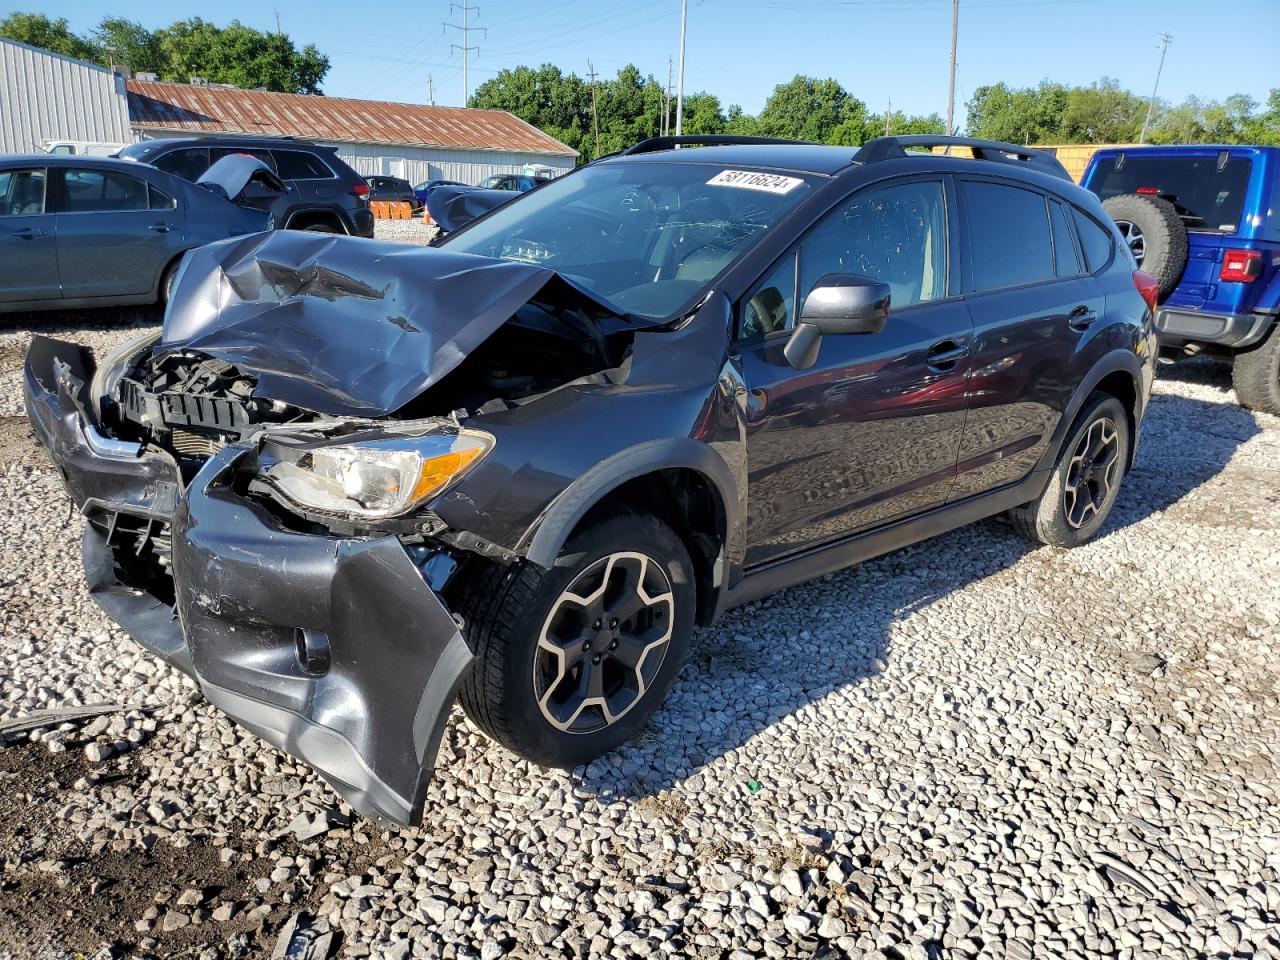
(944, 356)
(28, 233)
(160, 227)
(1081, 318)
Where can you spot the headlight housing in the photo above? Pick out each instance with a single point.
(113, 367)
(370, 479)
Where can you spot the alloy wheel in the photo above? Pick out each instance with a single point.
(603, 642)
(1092, 472)
(1134, 238)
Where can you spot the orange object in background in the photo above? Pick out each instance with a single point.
(391, 209)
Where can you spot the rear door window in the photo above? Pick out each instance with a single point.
(102, 191)
(296, 165)
(1207, 192)
(22, 193)
(189, 163)
(1096, 241)
(217, 153)
(1009, 237)
(1065, 257)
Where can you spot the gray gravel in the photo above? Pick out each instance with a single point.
(968, 748)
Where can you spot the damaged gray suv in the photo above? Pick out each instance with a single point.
(351, 481)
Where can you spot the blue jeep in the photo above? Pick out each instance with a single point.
(1205, 222)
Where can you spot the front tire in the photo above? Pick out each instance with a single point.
(571, 662)
(1255, 373)
(1085, 481)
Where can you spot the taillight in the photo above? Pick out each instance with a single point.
(1241, 266)
(1149, 191)
(1147, 288)
(361, 190)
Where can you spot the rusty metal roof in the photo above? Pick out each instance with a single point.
(180, 106)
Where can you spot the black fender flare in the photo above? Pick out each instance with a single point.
(553, 528)
(1120, 360)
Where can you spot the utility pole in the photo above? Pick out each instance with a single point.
(431, 92)
(278, 31)
(666, 102)
(951, 90)
(684, 15)
(1164, 39)
(466, 49)
(888, 116)
(595, 113)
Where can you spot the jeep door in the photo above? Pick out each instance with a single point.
(28, 254)
(869, 433)
(1036, 313)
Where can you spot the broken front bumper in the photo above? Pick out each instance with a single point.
(334, 649)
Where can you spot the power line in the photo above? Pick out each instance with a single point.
(466, 49)
(1163, 40)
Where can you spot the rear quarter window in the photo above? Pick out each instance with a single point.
(297, 165)
(1009, 237)
(1096, 241)
(1207, 192)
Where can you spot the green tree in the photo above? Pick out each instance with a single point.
(239, 55)
(1101, 113)
(806, 108)
(37, 30)
(128, 43)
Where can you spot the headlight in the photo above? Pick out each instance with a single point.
(372, 479)
(112, 368)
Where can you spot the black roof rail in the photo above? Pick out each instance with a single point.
(654, 144)
(893, 148)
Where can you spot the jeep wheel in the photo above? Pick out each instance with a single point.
(572, 661)
(1156, 236)
(1255, 373)
(1085, 480)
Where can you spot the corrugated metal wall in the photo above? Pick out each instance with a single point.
(44, 96)
(424, 163)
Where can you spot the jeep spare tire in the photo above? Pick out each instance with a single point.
(1156, 235)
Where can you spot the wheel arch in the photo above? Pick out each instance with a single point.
(310, 216)
(1118, 373)
(683, 482)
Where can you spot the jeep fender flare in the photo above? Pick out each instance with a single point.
(547, 536)
(1120, 360)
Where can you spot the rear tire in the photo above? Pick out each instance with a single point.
(1086, 479)
(558, 678)
(1255, 373)
(1156, 236)
(320, 228)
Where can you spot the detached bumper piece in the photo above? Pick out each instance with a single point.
(334, 649)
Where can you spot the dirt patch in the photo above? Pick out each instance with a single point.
(18, 444)
(59, 897)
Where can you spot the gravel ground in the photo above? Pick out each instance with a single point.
(968, 748)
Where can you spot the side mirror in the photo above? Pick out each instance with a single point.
(839, 303)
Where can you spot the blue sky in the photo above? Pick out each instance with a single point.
(739, 49)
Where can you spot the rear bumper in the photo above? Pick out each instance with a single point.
(1235, 330)
(334, 649)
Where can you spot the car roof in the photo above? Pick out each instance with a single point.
(63, 160)
(1185, 150)
(228, 141)
(813, 158)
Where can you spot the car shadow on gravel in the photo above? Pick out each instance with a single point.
(764, 662)
(55, 323)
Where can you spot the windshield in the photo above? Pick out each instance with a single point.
(1208, 194)
(648, 237)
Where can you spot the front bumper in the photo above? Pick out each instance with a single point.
(1235, 330)
(334, 649)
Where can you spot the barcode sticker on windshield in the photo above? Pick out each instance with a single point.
(748, 180)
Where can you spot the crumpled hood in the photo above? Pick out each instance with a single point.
(344, 326)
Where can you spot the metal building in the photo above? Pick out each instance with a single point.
(406, 140)
(45, 96)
